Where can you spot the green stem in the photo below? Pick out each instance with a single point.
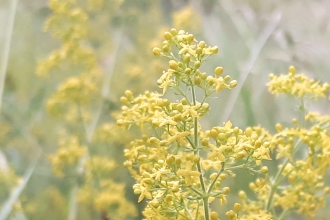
(284, 214)
(278, 180)
(73, 203)
(178, 88)
(190, 216)
(236, 167)
(96, 181)
(197, 211)
(303, 110)
(199, 167)
(275, 185)
(83, 133)
(206, 208)
(204, 99)
(196, 191)
(216, 178)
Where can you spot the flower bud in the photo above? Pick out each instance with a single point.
(223, 176)
(214, 50)
(123, 100)
(205, 142)
(292, 70)
(147, 181)
(170, 159)
(202, 44)
(213, 176)
(264, 169)
(190, 38)
(166, 48)
(278, 127)
(226, 190)
(242, 194)
(199, 50)
(173, 65)
(230, 214)
(233, 84)
(156, 51)
(218, 71)
(187, 71)
(186, 58)
(196, 159)
(214, 216)
(203, 76)
(197, 81)
(237, 207)
(137, 191)
(174, 32)
(227, 78)
(197, 64)
(128, 94)
(168, 36)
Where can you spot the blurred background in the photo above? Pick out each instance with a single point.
(107, 45)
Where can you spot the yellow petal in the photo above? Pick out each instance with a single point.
(228, 125)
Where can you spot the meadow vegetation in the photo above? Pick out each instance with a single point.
(126, 109)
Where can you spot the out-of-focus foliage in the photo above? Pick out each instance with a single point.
(70, 61)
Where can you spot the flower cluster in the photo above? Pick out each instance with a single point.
(108, 197)
(187, 19)
(299, 185)
(184, 69)
(8, 178)
(71, 96)
(82, 165)
(51, 196)
(180, 168)
(297, 85)
(70, 23)
(73, 31)
(67, 157)
(306, 177)
(109, 133)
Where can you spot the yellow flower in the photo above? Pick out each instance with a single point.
(208, 164)
(165, 80)
(217, 153)
(179, 137)
(187, 19)
(143, 191)
(297, 84)
(160, 172)
(188, 173)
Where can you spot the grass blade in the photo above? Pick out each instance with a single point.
(254, 55)
(14, 196)
(7, 42)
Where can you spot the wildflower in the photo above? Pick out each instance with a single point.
(297, 84)
(181, 168)
(188, 173)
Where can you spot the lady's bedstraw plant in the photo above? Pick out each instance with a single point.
(305, 148)
(181, 168)
(80, 161)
